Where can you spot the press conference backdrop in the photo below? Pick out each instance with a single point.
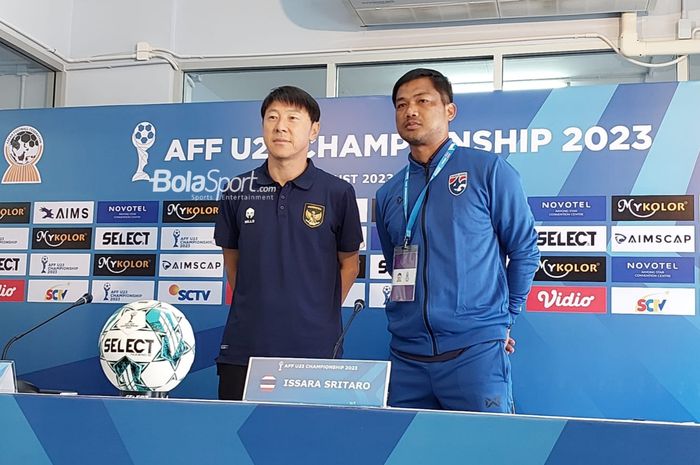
(120, 201)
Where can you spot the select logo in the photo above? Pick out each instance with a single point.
(571, 238)
(12, 290)
(653, 301)
(63, 212)
(567, 268)
(653, 208)
(61, 238)
(653, 239)
(14, 212)
(126, 238)
(568, 208)
(13, 264)
(124, 265)
(190, 212)
(378, 267)
(653, 270)
(567, 299)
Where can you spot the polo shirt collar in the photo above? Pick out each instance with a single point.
(304, 181)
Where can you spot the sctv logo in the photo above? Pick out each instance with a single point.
(652, 303)
(189, 295)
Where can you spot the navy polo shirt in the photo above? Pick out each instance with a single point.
(287, 297)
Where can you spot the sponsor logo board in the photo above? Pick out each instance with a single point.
(653, 208)
(126, 238)
(127, 212)
(55, 264)
(652, 301)
(191, 265)
(63, 212)
(653, 239)
(124, 265)
(567, 299)
(190, 292)
(568, 208)
(56, 291)
(121, 291)
(571, 238)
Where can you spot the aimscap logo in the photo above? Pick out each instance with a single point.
(192, 292)
(653, 239)
(653, 301)
(567, 299)
(653, 207)
(63, 212)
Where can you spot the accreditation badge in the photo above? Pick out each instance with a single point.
(403, 283)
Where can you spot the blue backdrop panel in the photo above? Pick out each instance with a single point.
(588, 141)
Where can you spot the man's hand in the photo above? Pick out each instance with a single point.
(510, 343)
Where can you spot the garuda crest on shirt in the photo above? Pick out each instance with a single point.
(313, 215)
(457, 183)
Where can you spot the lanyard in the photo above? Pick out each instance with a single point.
(410, 221)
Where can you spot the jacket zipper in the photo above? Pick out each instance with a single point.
(425, 265)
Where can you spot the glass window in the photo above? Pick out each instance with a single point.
(378, 79)
(212, 86)
(694, 67)
(581, 69)
(24, 83)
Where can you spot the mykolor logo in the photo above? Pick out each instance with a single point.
(653, 207)
(124, 265)
(190, 212)
(567, 299)
(61, 238)
(14, 212)
(12, 290)
(562, 268)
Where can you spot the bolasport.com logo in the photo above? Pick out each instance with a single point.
(61, 238)
(12, 290)
(567, 299)
(653, 208)
(568, 268)
(190, 212)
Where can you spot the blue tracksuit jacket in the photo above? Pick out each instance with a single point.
(465, 294)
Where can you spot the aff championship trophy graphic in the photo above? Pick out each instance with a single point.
(106, 288)
(176, 236)
(23, 149)
(143, 138)
(44, 262)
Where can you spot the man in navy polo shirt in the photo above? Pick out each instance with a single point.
(290, 241)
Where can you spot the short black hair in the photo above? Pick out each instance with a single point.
(293, 96)
(440, 82)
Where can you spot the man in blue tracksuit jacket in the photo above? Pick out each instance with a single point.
(461, 212)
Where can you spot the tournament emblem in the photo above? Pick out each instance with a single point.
(23, 149)
(143, 138)
(457, 183)
(313, 215)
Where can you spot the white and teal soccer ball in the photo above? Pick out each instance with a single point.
(146, 346)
